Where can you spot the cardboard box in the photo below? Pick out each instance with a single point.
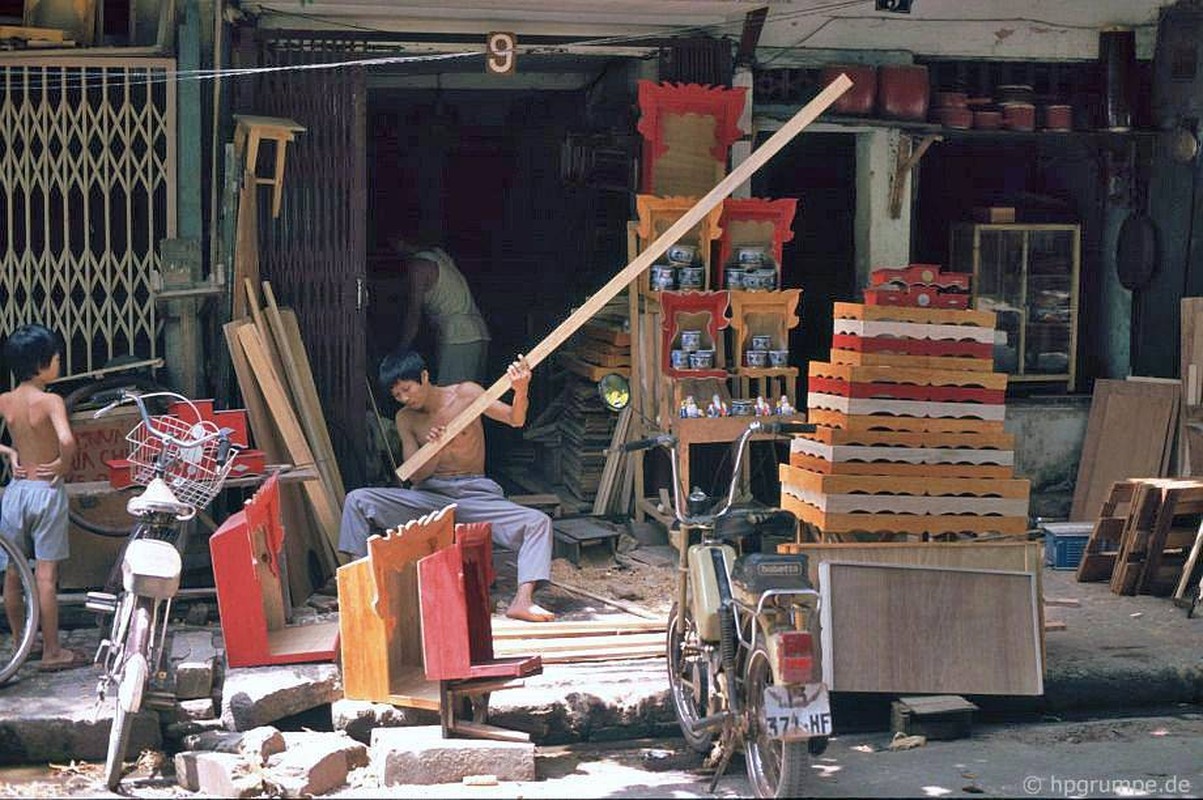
(996, 214)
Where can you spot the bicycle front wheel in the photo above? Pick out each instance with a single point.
(131, 683)
(14, 648)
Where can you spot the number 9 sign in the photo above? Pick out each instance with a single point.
(502, 53)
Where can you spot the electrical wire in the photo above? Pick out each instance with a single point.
(87, 80)
(156, 75)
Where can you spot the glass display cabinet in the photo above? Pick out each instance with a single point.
(1028, 276)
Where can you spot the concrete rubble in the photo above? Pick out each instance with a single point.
(1114, 649)
(254, 696)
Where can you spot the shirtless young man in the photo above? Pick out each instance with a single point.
(34, 510)
(454, 475)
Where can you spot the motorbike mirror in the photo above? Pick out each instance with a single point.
(615, 391)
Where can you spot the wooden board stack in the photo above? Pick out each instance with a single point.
(910, 439)
(1147, 538)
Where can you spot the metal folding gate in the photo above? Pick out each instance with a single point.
(314, 253)
(87, 191)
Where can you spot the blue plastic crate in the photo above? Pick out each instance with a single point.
(1064, 543)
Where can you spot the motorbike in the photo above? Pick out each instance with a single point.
(742, 642)
(183, 465)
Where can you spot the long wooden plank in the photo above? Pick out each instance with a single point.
(291, 347)
(937, 316)
(912, 330)
(517, 629)
(545, 646)
(853, 373)
(300, 541)
(1190, 457)
(867, 423)
(657, 248)
(1188, 569)
(916, 362)
(905, 408)
(793, 476)
(323, 505)
(900, 455)
(904, 523)
(839, 436)
(901, 470)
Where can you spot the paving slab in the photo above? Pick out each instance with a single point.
(406, 756)
(52, 716)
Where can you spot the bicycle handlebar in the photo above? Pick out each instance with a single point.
(773, 427)
(139, 400)
(666, 439)
(778, 427)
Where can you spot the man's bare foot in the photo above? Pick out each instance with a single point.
(530, 612)
(65, 658)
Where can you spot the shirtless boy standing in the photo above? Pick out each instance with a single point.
(34, 510)
(454, 475)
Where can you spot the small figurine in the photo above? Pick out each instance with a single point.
(717, 407)
(763, 409)
(784, 406)
(689, 408)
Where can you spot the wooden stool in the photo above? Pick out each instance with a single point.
(246, 554)
(248, 132)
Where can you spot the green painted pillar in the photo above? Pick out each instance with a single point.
(189, 221)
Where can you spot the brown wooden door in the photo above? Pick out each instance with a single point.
(314, 253)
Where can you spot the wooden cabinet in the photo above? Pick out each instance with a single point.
(1028, 276)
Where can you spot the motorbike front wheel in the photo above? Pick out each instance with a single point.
(688, 681)
(127, 699)
(775, 768)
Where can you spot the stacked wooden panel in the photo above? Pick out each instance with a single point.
(1147, 539)
(586, 428)
(910, 438)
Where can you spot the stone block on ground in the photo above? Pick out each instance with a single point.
(313, 763)
(195, 710)
(217, 774)
(254, 696)
(576, 702)
(356, 752)
(53, 717)
(255, 745)
(195, 660)
(360, 717)
(403, 756)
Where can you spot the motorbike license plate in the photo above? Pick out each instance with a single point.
(797, 712)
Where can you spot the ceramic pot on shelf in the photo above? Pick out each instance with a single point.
(903, 92)
(858, 101)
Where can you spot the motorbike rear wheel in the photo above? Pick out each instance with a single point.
(688, 682)
(127, 699)
(775, 768)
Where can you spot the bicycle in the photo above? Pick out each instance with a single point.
(12, 660)
(183, 466)
(742, 643)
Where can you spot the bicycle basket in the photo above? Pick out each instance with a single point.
(190, 471)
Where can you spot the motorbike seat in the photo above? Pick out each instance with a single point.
(762, 572)
(740, 523)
